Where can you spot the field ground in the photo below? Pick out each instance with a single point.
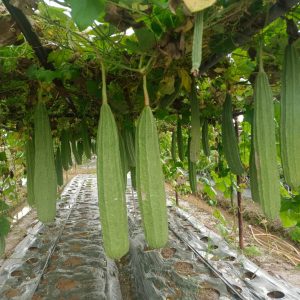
(175, 271)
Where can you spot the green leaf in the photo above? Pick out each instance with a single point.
(93, 88)
(288, 218)
(4, 226)
(84, 12)
(218, 215)
(290, 211)
(3, 206)
(131, 45)
(221, 187)
(227, 194)
(3, 156)
(211, 193)
(166, 85)
(146, 38)
(295, 234)
(33, 72)
(59, 57)
(162, 4)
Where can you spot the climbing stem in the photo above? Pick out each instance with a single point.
(144, 71)
(146, 95)
(39, 94)
(239, 196)
(104, 93)
(260, 55)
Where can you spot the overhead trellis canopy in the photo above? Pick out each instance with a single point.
(61, 45)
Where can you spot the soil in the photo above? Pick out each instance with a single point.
(12, 293)
(65, 284)
(126, 281)
(184, 268)
(73, 262)
(208, 293)
(275, 264)
(168, 252)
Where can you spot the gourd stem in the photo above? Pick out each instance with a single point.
(260, 56)
(39, 94)
(104, 94)
(146, 95)
(141, 61)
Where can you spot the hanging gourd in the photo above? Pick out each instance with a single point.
(110, 179)
(59, 168)
(180, 144)
(290, 117)
(29, 154)
(229, 139)
(195, 145)
(45, 181)
(205, 138)
(264, 142)
(150, 179)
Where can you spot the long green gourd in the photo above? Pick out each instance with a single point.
(29, 153)
(124, 160)
(253, 172)
(80, 149)
(69, 147)
(129, 145)
(150, 178)
(78, 158)
(65, 150)
(86, 140)
(180, 143)
(93, 146)
(229, 139)
(197, 43)
(45, 181)
(205, 138)
(195, 146)
(290, 117)
(192, 172)
(59, 168)
(111, 196)
(2, 244)
(173, 146)
(265, 156)
(133, 177)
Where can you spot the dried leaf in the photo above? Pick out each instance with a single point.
(196, 5)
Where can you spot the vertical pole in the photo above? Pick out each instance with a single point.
(239, 195)
(176, 197)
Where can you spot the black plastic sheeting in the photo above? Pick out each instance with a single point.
(66, 260)
(173, 272)
(216, 266)
(251, 281)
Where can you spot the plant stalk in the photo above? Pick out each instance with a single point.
(104, 93)
(239, 197)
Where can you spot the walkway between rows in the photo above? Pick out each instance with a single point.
(66, 260)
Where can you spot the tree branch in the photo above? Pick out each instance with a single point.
(252, 26)
(34, 41)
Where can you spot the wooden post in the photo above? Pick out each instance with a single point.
(176, 197)
(239, 196)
